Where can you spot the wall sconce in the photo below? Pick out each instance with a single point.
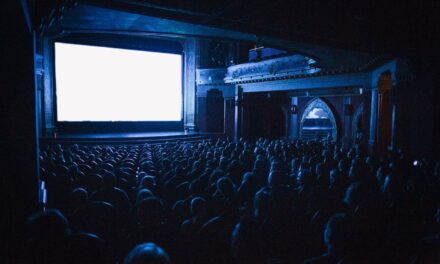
(293, 109)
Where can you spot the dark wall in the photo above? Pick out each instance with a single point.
(18, 138)
(229, 117)
(214, 53)
(211, 112)
(265, 115)
(201, 114)
(417, 118)
(215, 111)
(418, 109)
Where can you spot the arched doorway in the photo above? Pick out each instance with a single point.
(318, 121)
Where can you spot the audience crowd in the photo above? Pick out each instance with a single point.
(218, 201)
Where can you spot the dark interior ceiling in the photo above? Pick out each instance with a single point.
(397, 28)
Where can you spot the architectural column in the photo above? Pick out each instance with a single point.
(382, 122)
(394, 109)
(48, 88)
(347, 118)
(229, 117)
(401, 112)
(238, 112)
(374, 117)
(293, 134)
(189, 84)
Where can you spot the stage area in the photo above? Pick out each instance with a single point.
(127, 138)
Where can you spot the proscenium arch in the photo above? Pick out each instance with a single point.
(321, 130)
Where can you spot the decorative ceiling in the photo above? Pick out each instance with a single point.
(390, 27)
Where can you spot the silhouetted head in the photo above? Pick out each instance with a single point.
(293, 165)
(150, 211)
(248, 176)
(390, 184)
(245, 242)
(197, 206)
(178, 207)
(337, 233)
(147, 182)
(166, 163)
(321, 177)
(342, 165)
(147, 253)
(262, 203)
(355, 172)
(261, 165)
(78, 197)
(277, 178)
(196, 187)
(48, 225)
(304, 178)
(355, 195)
(86, 248)
(437, 170)
(93, 182)
(143, 194)
(437, 215)
(108, 180)
(215, 175)
(277, 165)
(197, 165)
(334, 177)
(225, 186)
(380, 175)
(48, 234)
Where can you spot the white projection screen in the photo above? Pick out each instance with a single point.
(111, 84)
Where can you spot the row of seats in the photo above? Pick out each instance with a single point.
(218, 201)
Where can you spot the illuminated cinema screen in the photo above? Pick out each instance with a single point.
(112, 84)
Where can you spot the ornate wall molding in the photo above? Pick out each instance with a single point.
(273, 68)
